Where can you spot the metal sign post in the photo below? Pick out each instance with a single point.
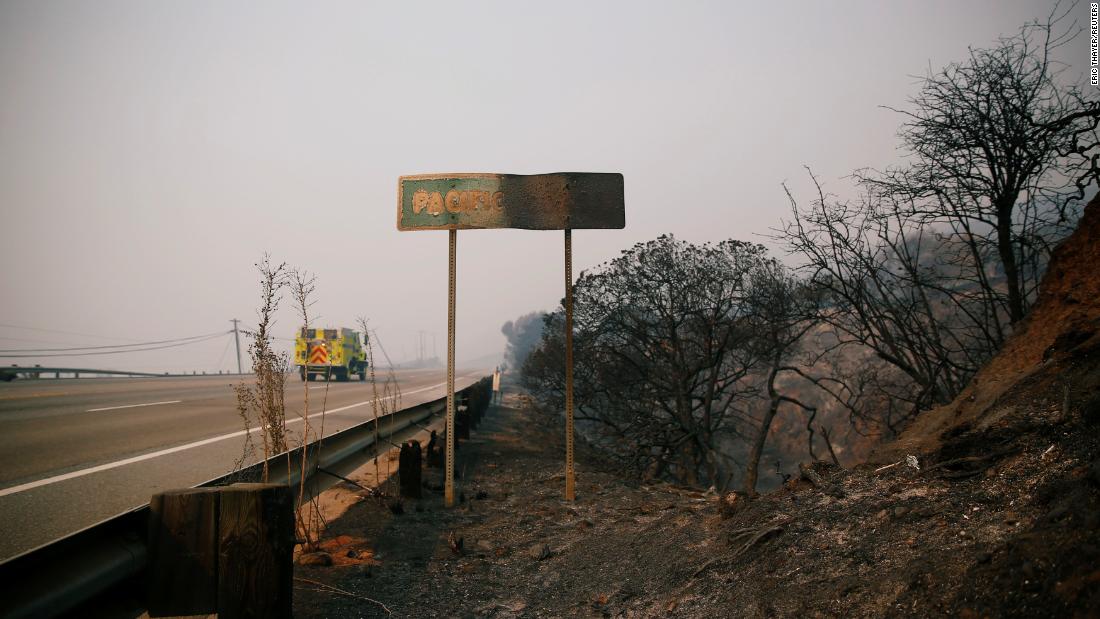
(570, 482)
(449, 490)
(561, 201)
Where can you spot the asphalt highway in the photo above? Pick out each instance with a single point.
(77, 451)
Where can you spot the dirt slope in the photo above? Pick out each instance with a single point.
(1048, 354)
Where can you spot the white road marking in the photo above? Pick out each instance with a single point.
(171, 450)
(111, 408)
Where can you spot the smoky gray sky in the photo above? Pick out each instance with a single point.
(151, 152)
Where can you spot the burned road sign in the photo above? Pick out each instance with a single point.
(560, 201)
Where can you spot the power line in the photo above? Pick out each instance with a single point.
(223, 333)
(249, 330)
(98, 337)
(78, 348)
(25, 339)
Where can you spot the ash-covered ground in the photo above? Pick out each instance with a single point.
(1007, 529)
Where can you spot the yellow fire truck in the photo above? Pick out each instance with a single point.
(332, 353)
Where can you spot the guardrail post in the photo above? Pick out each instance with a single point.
(479, 400)
(472, 395)
(435, 452)
(255, 551)
(462, 423)
(408, 469)
(225, 550)
(183, 553)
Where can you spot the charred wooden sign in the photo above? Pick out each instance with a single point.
(560, 201)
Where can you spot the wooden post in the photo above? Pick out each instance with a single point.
(183, 551)
(433, 451)
(473, 402)
(255, 551)
(408, 471)
(462, 423)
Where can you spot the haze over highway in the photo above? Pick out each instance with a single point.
(153, 151)
(81, 450)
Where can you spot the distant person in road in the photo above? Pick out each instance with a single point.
(498, 395)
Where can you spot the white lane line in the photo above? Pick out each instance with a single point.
(111, 408)
(171, 450)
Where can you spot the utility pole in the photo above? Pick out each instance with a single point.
(422, 348)
(237, 338)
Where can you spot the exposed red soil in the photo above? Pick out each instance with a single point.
(1063, 323)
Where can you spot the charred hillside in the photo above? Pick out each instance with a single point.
(989, 507)
(997, 512)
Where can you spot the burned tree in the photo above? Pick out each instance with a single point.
(522, 335)
(1001, 149)
(884, 286)
(782, 312)
(662, 338)
(935, 261)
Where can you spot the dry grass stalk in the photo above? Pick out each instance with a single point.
(368, 346)
(263, 402)
(302, 287)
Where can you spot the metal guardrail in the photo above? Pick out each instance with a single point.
(56, 577)
(12, 372)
